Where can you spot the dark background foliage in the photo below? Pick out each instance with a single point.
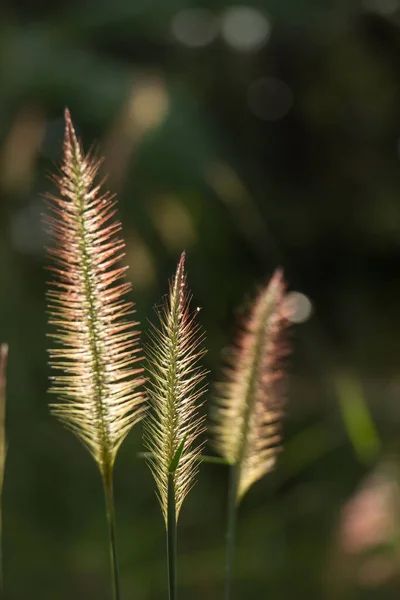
(255, 136)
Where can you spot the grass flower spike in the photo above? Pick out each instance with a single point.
(96, 355)
(248, 412)
(250, 405)
(173, 423)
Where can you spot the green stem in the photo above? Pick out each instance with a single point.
(1, 545)
(109, 498)
(3, 446)
(171, 539)
(231, 529)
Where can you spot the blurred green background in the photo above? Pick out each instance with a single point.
(256, 135)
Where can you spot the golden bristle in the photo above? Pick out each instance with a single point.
(248, 411)
(173, 424)
(96, 352)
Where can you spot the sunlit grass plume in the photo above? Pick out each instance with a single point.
(95, 354)
(173, 424)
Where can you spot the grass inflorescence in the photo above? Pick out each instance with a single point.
(96, 354)
(174, 425)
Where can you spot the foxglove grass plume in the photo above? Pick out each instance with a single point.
(3, 444)
(95, 358)
(248, 411)
(97, 347)
(173, 424)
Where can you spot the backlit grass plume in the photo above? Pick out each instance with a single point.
(3, 442)
(247, 414)
(173, 423)
(95, 360)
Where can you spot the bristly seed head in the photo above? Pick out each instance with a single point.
(173, 423)
(249, 407)
(96, 354)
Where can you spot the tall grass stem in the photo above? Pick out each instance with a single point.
(3, 448)
(110, 510)
(171, 540)
(231, 528)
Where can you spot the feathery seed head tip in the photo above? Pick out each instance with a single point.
(70, 138)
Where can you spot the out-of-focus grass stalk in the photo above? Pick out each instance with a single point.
(249, 406)
(3, 444)
(357, 419)
(231, 526)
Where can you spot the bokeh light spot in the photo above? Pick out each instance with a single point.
(269, 99)
(194, 27)
(142, 269)
(245, 28)
(173, 222)
(298, 307)
(382, 7)
(149, 104)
